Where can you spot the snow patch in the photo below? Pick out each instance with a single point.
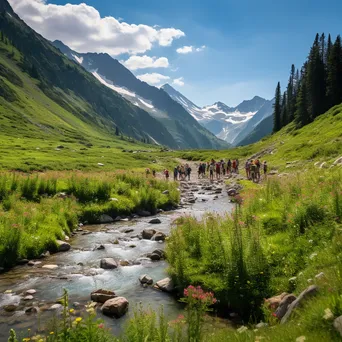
(154, 140)
(145, 103)
(78, 59)
(110, 85)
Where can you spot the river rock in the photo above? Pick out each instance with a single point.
(50, 267)
(145, 279)
(100, 247)
(10, 308)
(165, 285)
(30, 292)
(338, 324)
(144, 213)
(155, 221)
(116, 307)
(29, 297)
(154, 257)
(307, 293)
(101, 296)
(23, 262)
(124, 263)
(147, 234)
(158, 236)
(284, 304)
(128, 230)
(45, 255)
(106, 219)
(62, 246)
(108, 263)
(31, 310)
(232, 192)
(34, 263)
(160, 252)
(56, 307)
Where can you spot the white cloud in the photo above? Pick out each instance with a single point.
(82, 28)
(179, 81)
(188, 49)
(184, 49)
(153, 78)
(143, 62)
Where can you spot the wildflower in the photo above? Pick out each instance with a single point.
(328, 314)
(300, 339)
(261, 272)
(26, 339)
(51, 333)
(101, 326)
(78, 319)
(242, 329)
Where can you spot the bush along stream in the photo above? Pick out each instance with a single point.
(115, 265)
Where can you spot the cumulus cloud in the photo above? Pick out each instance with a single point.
(83, 29)
(153, 78)
(188, 49)
(179, 81)
(143, 62)
(185, 49)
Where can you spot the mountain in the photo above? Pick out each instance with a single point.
(263, 129)
(231, 124)
(185, 130)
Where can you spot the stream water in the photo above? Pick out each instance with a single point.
(78, 270)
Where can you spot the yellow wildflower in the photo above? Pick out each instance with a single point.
(71, 311)
(51, 333)
(78, 319)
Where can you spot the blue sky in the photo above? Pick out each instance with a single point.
(249, 44)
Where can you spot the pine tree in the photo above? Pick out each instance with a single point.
(302, 117)
(117, 132)
(1, 36)
(316, 81)
(334, 79)
(284, 111)
(277, 110)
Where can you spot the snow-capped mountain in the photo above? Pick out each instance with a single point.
(231, 124)
(185, 130)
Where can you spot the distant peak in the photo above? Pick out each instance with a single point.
(167, 86)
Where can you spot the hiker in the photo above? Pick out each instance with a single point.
(211, 170)
(182, 173)
(223, 167)
(167, 175)
(247, 167)
(229, 167)
(204, 166)
(218, 170)
(234, 166)
(154, 173)
(175, 174)
(265, 169)
(258, 166)
(188, 172)
(253, 170)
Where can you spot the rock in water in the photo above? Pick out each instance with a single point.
(307, 293)
(30, 292)
(147, 234)
(101, 296)
(116, 307)
(108, 263)
(159, 236)
(10, 308)
(155, 221)
(105, 219)
(155, 257)
(145, 279)
(62, 246)
(165, 285)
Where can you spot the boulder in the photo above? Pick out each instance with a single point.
(108, 263)
(29, 297)
(284, 304)
(160, 252)
(158, 236)
(338, 324)
(124, 263)
(116, 307)
(155, 221)
(154, 256)
(62, 246)
(232, 192)
(10, 307)
(31, 310)
(307, 293)
(145, 279)
(30, 292)
(56, 307)
(101, 296)
(165, 285)
(147, 234)
(105, 219)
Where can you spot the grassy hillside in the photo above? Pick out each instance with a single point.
(320, 141)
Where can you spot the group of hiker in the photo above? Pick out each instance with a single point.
(216, 169)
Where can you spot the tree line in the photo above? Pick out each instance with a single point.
(313, 89)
